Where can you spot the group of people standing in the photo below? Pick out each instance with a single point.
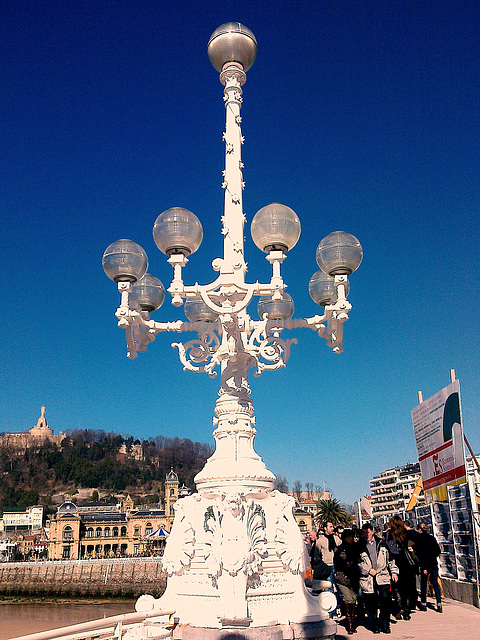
(376, 574)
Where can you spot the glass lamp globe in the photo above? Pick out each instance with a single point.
(177, 230)
(339, 253)
(322, 288)
(232, 42)
(276, 309)
(196, 311)
(149, 292)
(124, 261)
(275, 227)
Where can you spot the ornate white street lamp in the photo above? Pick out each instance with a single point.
(235, 556)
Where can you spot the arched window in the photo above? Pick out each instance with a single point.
(106, 533)
(67, 533)
(148, 528)
(123, 532)
(172, 492)
(89, 532)
(98, 532)
(115, 532)
(136, 531)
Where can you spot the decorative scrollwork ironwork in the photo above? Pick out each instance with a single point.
(275, 351)
(195, 354)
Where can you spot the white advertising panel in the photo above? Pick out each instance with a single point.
(437, 425)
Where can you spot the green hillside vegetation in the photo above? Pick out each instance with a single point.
(91, 458)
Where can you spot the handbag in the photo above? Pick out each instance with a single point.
(342, 578)
(409, 557)
(392, 545)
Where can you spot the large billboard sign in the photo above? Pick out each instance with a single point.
(437, 425)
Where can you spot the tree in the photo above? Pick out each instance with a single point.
(309, 488)
(297, 489)
(281, 484)
(332, 511)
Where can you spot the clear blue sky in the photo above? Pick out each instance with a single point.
(360, 115)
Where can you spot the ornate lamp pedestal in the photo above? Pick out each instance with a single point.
(235, 558)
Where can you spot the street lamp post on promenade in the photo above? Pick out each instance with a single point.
(235, 556)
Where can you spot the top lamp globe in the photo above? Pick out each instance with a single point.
(232, 42)
(124, 261)
(339, 253)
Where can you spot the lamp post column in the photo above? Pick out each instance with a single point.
(233, 77)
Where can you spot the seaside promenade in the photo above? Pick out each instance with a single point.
(457, 622)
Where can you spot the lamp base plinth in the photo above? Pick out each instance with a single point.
(239, 557)
(324, 630)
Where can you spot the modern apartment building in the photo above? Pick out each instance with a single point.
(392, 489)
(28, 520)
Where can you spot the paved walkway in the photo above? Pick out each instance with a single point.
(457, 622)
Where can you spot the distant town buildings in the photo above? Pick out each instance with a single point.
(315, 495)
(392, 489)
(97, 530)
(310, 506)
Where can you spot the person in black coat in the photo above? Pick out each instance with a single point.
(428, 550)
(347, 575)
(399, 539)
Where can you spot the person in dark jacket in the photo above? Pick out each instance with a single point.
(428, 550)
(398, 539)
(347, 575)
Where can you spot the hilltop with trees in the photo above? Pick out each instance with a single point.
(109, 462)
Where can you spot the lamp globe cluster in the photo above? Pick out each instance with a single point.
(275, 228)
(338, 254)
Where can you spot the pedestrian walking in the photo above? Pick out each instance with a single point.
(398, 539)
(377, 570)
(428, 550)
(347, 575)
(327, 542)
